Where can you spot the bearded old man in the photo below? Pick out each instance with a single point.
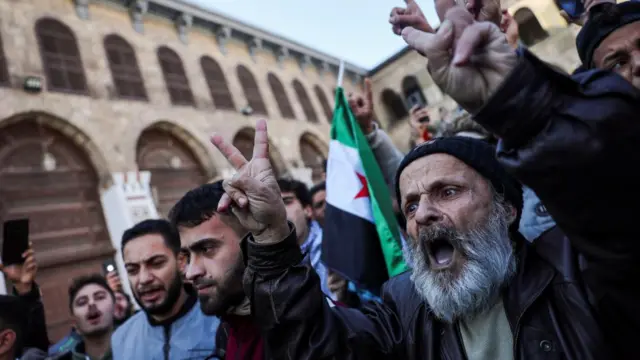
(477, 290)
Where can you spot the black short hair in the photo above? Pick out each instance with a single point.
(80, 282)
(297, 187)
(322, 186)
(13, 316)
(154, 226)
(197, 205)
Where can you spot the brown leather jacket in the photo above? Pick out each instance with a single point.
(577, 291)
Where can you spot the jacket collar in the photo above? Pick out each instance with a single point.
(189, 303)
(78, 353)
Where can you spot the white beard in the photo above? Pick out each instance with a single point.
(488, 264)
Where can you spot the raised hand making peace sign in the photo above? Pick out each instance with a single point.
(468, 59)
(252, 193)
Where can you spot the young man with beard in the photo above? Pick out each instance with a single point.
(171, 325)
(215, 268)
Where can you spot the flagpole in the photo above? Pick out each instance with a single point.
(340, 73)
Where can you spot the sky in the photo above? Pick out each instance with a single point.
(357, 31)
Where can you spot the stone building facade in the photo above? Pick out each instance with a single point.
(89, 88)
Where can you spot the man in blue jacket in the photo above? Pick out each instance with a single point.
(171, 325)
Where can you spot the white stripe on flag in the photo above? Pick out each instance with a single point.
(343, 183)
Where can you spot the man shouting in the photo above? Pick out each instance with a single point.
(477, 290)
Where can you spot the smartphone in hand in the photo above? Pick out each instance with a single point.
(108, 267)
(15, 241)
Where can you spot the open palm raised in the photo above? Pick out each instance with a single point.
(252, 193)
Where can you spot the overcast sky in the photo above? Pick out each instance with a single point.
(355, 30)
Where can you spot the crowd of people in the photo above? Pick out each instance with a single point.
(516, 251)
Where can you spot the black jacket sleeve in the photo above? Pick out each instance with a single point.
(575, 143)
(297, 320)
(36, 333)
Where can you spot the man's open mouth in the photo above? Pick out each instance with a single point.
(151, 294)
(94, 316)
(441, 253)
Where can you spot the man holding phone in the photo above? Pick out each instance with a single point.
(20, 268)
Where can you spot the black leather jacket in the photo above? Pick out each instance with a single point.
(577, 291)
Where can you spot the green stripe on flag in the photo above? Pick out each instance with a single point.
(345, 129)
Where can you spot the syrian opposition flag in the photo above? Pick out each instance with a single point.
(361, 239)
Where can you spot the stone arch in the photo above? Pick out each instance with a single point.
(72, 133)
(531, 32)
(313, 152)
(177, 162)
(47, 175)
(243, 140)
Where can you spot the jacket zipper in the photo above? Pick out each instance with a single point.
(167, 338)
(517, 336)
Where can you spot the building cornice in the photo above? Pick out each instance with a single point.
(216, 21)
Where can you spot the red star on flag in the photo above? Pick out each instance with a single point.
(364, 191)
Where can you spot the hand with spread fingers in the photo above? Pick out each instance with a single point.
(362, 107)
(253, 194)
(22, 275)
(411, 15)
(468, 59)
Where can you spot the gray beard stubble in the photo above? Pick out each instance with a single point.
(489, 264)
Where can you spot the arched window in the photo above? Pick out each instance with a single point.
(313, 156)
(531, 32)
(174, 167)
(412, 92)
(217, 84)
(281, 97)
(394, 105)
(305, 101)
(124, 68)
(322, 98)
(60, 57)
(251, 90)
(4, 72)
(175, 77)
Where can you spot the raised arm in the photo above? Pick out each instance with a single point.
(570, 140)
(286, 297)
